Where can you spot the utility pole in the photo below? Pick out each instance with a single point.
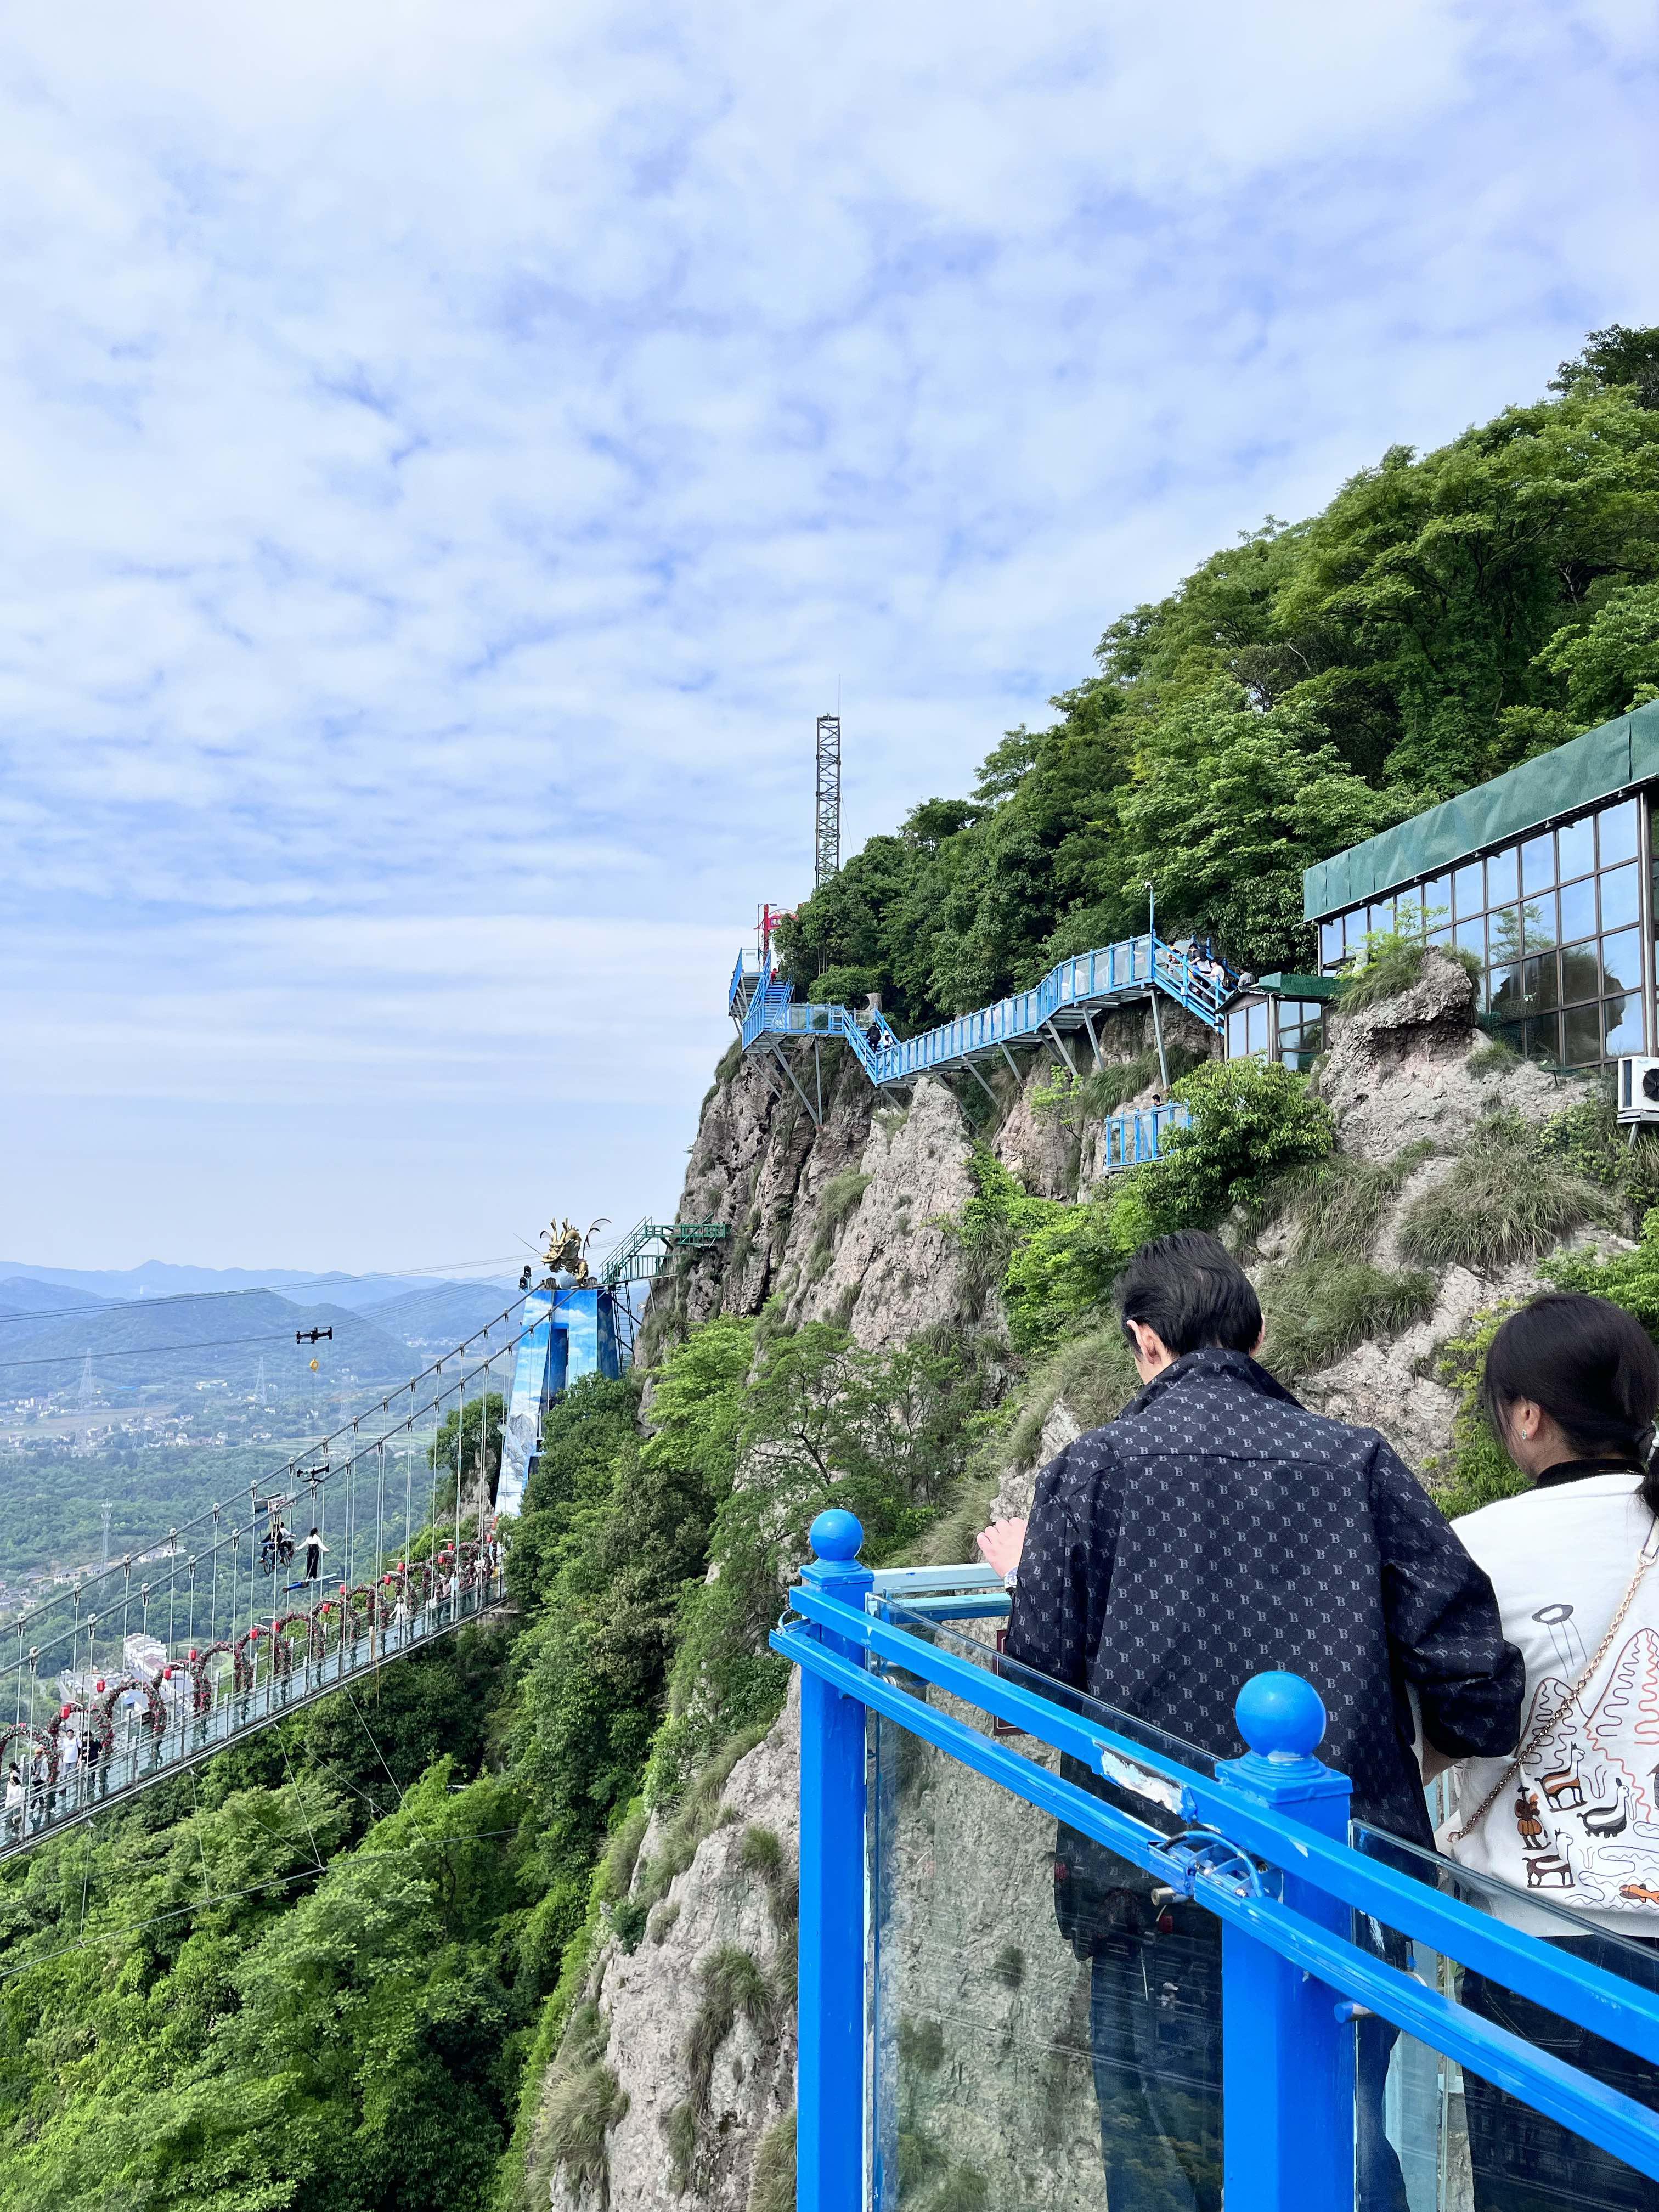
(827, 861)
(109, 1508)
(86, 1382)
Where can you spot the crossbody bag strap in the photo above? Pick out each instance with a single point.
(1644, 1559)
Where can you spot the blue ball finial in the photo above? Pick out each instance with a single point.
(835, 1535)
(1279, 1714)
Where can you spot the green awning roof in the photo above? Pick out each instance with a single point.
(1299, 987)
(1601, 762)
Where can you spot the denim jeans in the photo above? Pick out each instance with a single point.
(1155, 2025)
(1523, 2162)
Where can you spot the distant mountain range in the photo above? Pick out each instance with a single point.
(164, 1278)
(172, 1339)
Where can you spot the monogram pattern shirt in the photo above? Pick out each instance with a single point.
(1218, 1528)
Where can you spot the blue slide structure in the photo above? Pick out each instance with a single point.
(1064, 1004)
(570, 1332)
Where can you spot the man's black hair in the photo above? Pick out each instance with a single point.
(1190, 1291)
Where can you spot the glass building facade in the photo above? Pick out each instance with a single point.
(1275, 1027)
(1558, 922)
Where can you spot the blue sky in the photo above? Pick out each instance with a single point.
(449, 455)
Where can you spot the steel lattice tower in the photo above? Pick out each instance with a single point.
(827, 860)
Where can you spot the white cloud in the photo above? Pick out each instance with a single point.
(450, 455)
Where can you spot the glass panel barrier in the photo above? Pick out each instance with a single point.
(1462, 2145)
(1046, 2029)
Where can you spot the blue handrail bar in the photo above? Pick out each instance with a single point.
(1289, 2086)
(1555, 1979)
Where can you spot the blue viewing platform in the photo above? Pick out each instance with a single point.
(1050, 1956)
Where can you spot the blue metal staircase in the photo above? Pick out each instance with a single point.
(1063, 1005)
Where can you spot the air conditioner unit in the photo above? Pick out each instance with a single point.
(1639, 1089)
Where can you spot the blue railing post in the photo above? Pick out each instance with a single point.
(1288, 2062)
(829, 2089)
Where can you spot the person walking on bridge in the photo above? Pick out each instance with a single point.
(1216, 1530)
(315, 1548)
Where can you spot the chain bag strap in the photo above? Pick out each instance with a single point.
(1644, 1559)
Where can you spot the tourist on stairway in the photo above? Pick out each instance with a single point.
(1572, 1389)
(1216, 1530)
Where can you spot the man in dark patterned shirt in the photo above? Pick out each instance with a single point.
(1216, 1530)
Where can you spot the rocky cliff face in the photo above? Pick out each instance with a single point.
(984, 2008)
(1416, 1070)
(699, 2016)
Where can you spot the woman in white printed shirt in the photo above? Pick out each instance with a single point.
(1571, 1389)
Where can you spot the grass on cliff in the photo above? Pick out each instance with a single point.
(1318, 1312)
(772, 2179)
(581, 2102)
(1392, 962)
(1334, 1207)
(1511, 1195)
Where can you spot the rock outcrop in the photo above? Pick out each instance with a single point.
(1398, 1072)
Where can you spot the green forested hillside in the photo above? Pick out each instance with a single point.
(1445, 617)
(331, 1968)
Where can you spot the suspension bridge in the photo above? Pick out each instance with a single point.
(236, 1617)
(343, 1559)
(1059, 1012)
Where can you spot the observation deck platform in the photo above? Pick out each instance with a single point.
(1028, 1985)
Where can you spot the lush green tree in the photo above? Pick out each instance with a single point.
(1252, 1121)
(1611, 664)
(1616, 355)
(1234, 806)
(1442, 578)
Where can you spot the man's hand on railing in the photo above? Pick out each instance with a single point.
(1000, 1546)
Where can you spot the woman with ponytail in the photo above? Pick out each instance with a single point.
(1572, 1389)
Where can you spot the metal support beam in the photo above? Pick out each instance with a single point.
(1093, 1042)
(799, 1093)
(1065, 1056)
(980, 1079)
(1013, 1066)
(1157, 1032)
(817, 1080)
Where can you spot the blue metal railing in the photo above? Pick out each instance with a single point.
(1114, 974)
(1262, 1842)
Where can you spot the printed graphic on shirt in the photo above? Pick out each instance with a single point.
(1586, 1809)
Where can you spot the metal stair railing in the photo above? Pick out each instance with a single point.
(1112, 974)
(632, 1260)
